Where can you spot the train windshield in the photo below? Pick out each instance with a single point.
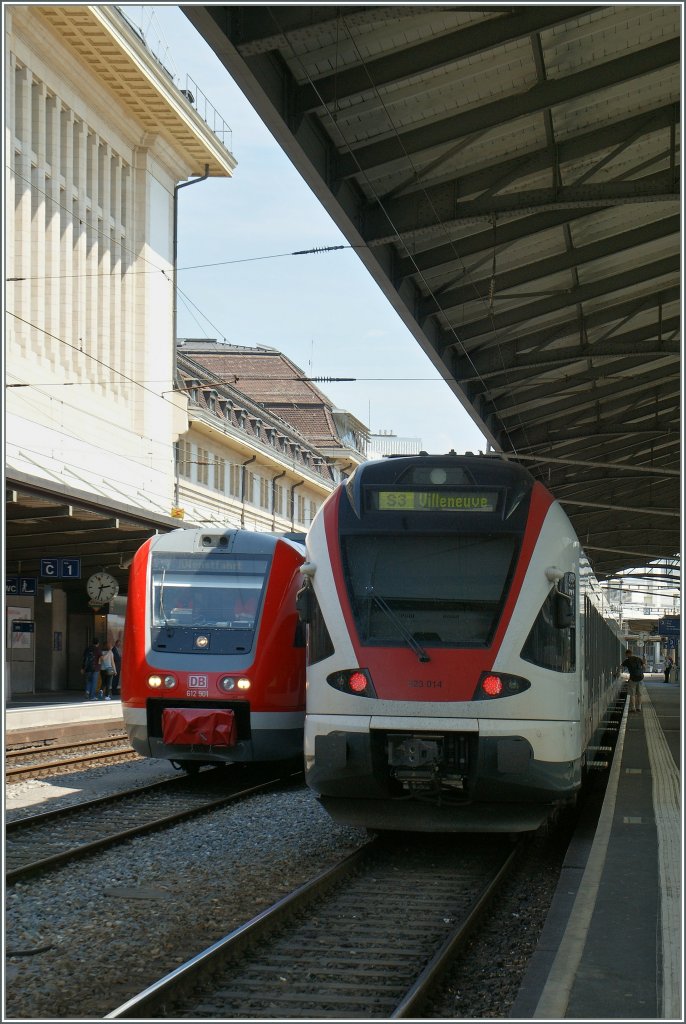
(437, 589)
(222, 591)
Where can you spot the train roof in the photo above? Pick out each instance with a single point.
(190, 539)
(474, 469)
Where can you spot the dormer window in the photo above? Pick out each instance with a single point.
(256, 424)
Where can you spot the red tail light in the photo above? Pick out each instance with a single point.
(492, 685)
(357, 681)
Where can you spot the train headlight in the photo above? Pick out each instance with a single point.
(229, 683)
(356, 681)
(492, 685)
(168, 682)
(201, 641)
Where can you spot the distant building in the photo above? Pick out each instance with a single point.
(388, 443)
(239, 464)
(278, 386)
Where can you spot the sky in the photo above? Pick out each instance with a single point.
(323, 311)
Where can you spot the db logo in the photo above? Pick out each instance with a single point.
(200, 682)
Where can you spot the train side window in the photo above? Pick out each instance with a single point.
(299, 639)
(319, 645)
(548, 645)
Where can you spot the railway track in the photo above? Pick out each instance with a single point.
(38, 760)
(45, 841)
(366, 938)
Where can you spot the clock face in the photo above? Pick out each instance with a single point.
(102, 587)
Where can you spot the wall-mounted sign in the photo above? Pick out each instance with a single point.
(22, 633)
(61, 568)
(21, 586)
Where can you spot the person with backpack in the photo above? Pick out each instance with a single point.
(107, 670)
(634, 666)
(90, 670)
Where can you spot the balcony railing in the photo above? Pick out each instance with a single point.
(210, 115)
(151, 37)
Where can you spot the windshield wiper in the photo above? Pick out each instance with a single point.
(404, 632)
(163, 614)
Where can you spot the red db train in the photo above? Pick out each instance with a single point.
(213, 663)
(460, 652)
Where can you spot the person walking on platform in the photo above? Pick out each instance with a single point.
(107, 670)
(97, 651)
(91, 670)
(667, 667)
(116, 681)
(634, 666)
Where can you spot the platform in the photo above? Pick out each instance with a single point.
(59, 708)
(611, 947)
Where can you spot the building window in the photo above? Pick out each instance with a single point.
(248, 494)
(301, 509)
(279, 492)
(234, 480)
(183, 455)
(219, 474)
(264, 492)
(203, 466)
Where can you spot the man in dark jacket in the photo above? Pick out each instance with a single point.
(89, 668)
(634, 666)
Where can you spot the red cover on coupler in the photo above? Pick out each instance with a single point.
(195, 726)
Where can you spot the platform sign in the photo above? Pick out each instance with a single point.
(11, 586)
(670, 625)
(28, 586)
(61, 568)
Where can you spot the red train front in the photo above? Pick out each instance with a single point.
(214, 663)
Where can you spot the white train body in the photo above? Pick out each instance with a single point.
(459, 654)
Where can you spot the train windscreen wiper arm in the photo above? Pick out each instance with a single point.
(404, 632)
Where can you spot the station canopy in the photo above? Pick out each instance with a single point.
(510, 176)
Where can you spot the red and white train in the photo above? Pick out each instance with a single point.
(460, 654)
(213, 663)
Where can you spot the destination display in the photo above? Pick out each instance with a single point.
(434, 501)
